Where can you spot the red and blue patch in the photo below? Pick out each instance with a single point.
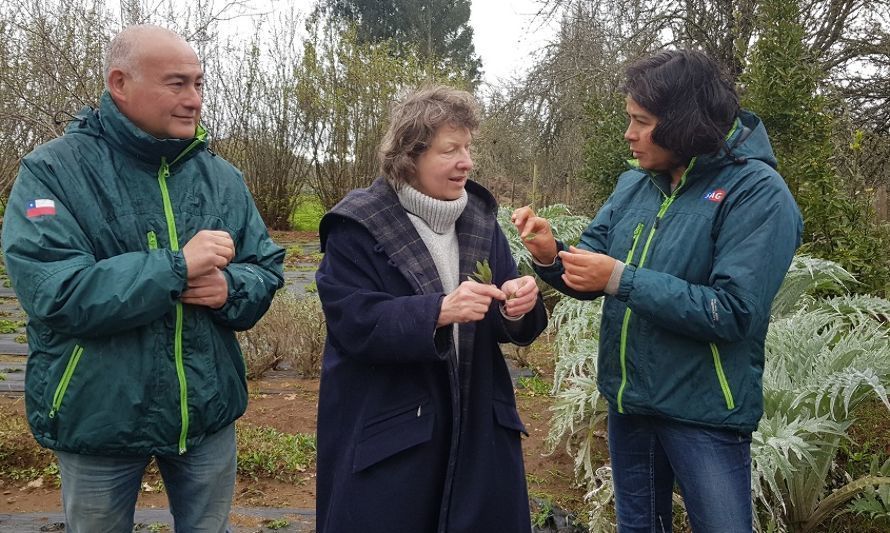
(40, 207)
(716, 195)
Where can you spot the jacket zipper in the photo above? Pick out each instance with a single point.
(665, 205)
(163, 174)
(622, 351)
(66, 378)
(721, 377)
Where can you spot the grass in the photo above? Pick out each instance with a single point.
(10, 326)
(533, 386)
(307, 215)
(279, 523)
(265, 452)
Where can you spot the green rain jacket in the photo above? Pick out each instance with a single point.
(92, 237)
(683, 337)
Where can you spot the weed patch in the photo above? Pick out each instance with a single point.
(264, 452)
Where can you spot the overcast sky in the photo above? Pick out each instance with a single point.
(505, 32)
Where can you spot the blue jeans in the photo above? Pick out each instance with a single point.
(712, 468)
(99, 492)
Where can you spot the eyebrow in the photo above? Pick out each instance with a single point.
(183, 77)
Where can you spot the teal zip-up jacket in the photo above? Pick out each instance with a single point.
(683, 337)
(92, 237)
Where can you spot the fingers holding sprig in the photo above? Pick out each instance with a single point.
(522, 295)
(586, 271)
(536, 234)
(469, 302)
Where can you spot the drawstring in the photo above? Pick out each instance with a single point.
(59, 120)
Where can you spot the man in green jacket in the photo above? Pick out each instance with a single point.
(137, 253)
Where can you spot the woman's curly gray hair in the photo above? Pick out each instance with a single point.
(414, 122)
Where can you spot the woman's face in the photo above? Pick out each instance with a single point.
(639, 136)
(443, 169)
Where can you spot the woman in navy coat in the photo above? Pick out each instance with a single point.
(417, 423)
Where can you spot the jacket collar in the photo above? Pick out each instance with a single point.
(125, 136)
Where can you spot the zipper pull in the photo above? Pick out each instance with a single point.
(52, 412)
(418, 410)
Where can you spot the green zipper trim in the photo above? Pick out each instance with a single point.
(66, 378)
(152, 241)
(622, 353)
(626, 322)
(721, 377)
(163, 174)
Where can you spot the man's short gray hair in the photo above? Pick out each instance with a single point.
(122, 51)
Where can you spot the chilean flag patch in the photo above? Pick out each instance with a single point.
(716, 196)
(41, 207)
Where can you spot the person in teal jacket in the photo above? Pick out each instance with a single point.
(689, 251)
(137, 254)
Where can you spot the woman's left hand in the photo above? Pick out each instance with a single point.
(522, 295)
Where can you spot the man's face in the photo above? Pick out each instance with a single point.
(162, 93)
(443, 169)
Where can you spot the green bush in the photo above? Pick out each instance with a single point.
(307, 214)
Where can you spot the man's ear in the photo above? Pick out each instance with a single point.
(117, 81)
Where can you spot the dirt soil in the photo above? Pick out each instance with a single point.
(288, 404)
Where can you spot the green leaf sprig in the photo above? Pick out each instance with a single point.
(482, 273)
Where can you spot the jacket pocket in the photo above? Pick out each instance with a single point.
(507, 416)
(721, 378)
(59, 394)
(393, 432)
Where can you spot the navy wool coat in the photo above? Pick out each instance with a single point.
(411, 437)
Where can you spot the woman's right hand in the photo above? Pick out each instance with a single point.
(535, 234)
(469, 302)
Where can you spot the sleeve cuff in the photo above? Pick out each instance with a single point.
(614, 279)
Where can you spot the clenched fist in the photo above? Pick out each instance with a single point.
(206, 251)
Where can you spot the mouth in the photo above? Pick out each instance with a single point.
(458, 179)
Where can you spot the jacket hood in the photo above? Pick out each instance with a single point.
(109, 123)
(746, 141)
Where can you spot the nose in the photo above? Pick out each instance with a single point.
(629, 133)
(193, 98)
(466, 161)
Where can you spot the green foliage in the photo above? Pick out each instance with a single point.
(605, 150)
(10, 326)
(265, 452)
(307, 215)
(279, 523)
(438, 31)
(482, 273)
(533, 386)
(783, 85)
(826, 354)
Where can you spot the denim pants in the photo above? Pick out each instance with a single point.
(99, 492)
(711, 466)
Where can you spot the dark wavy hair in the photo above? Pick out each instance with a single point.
(414, 122)
(695, 103)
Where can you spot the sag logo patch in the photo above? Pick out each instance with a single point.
(716, 196)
